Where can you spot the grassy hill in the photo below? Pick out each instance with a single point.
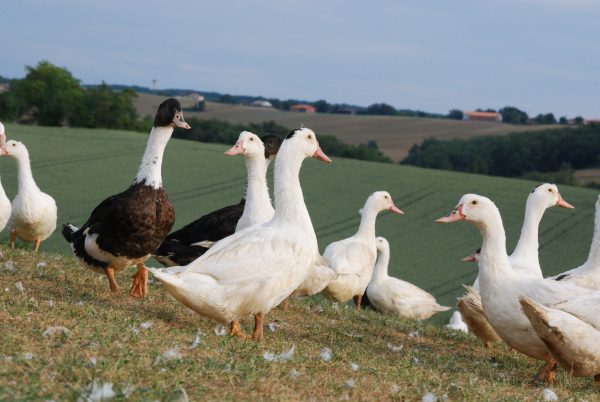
(81, 167)
(394, 134)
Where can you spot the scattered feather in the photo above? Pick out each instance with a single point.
(167, 355)
(549, 395)
(273, 326)
(19, 286)
(395, 389)
(146, 325)
(41, 264)
(349, 382)
(415, 360)
(10, 265)
(354, 366)
(97, 392)
(197, 339)
(294, 373)
(429, 397)
(50, 303)
(395, 348)
(353, 334)
(335, 306)
(79, 303)
(414, 334)
(180, 395)
(28, 356)
(220, 330)
(51, 331)
(272, 357)
(92, 362)
(325, 354)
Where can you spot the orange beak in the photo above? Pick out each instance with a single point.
(562, 203)
(237, 149)
(454, 216)
(470, 258)
(395, 210)
(320, 155)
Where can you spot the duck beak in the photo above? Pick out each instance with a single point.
(470, 258)
(180, 122)
(454, 216)
(395, 210)
(3, 151)
(237, 149)
(320, 155)
(562, 203)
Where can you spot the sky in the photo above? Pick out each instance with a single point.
(435, 55)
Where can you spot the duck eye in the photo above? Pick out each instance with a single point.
(385, 196)
(474, 202)
(310, 137)
(251, 139)
(550, 190)
(14, 145)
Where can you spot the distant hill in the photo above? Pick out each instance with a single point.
(395, 135)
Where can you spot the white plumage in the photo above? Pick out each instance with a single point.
(395, 296)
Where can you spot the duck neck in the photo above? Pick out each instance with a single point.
(26, 181)
(289, 199)
(493, 260)
(149, 172)
(366, 229)
(257, 191)
(593, 259)
(528, 244)
(381, 266)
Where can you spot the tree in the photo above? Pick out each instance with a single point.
(322, 106)
(513, 115)
(455, 114)
(563, 120)
(227, 99)
(381, 109)
(579, 120)
(50, 92)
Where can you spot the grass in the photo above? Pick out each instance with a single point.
(80, 167)
(395, 135)
(390, 362)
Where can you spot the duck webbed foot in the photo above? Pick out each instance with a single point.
(547, 373)
(139, 288)
(257, 335)
(236, 330)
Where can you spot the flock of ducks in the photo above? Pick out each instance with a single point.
(248, 258)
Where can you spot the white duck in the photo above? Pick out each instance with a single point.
(456, 323)
(573, 341)
(588, 274)
(253, 270)
(33, 216)
(395, 296)
(353, 259)
(501, 286)
(524, 259)
(5, 207)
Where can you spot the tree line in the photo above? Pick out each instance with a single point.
(514, 115)
(51, 96)
(547, 153)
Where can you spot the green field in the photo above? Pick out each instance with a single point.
(395, 135)
(80, 167)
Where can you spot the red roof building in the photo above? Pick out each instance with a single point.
(483, 116)
(303, 108)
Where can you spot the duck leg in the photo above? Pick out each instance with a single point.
(36, 245)
(547, 373)
(236, 330)
(110, 273)
(257, 335)
(140, 282)
(357, 299)
(13, 237)
(597, 379)
(285, 304)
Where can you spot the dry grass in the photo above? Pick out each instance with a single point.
(395, 135)
(107, 329)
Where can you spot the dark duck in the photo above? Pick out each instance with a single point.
(190, 242)
(126, 228)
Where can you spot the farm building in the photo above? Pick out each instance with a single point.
(261, 103)
(4, 87)
(303, 108)
(482, 116)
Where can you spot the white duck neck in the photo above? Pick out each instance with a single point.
(366, 229)
(26, 181)
(289, 199)
(381, 266)
(257, 190)
(593, 260)
(493, 260)
(149, 172)
(528, 245)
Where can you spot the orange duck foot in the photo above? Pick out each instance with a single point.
(257, 335)
(139, 288)
(110, 274)
(236, 330)
(547, 373)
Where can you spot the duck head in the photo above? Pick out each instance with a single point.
(546, 195)
(382, 244)
(248, 145)
(472, 208)
(380, 201)
(272, 144)
(169, 113)
(305, 142)
(473, 257)
(14, 149)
